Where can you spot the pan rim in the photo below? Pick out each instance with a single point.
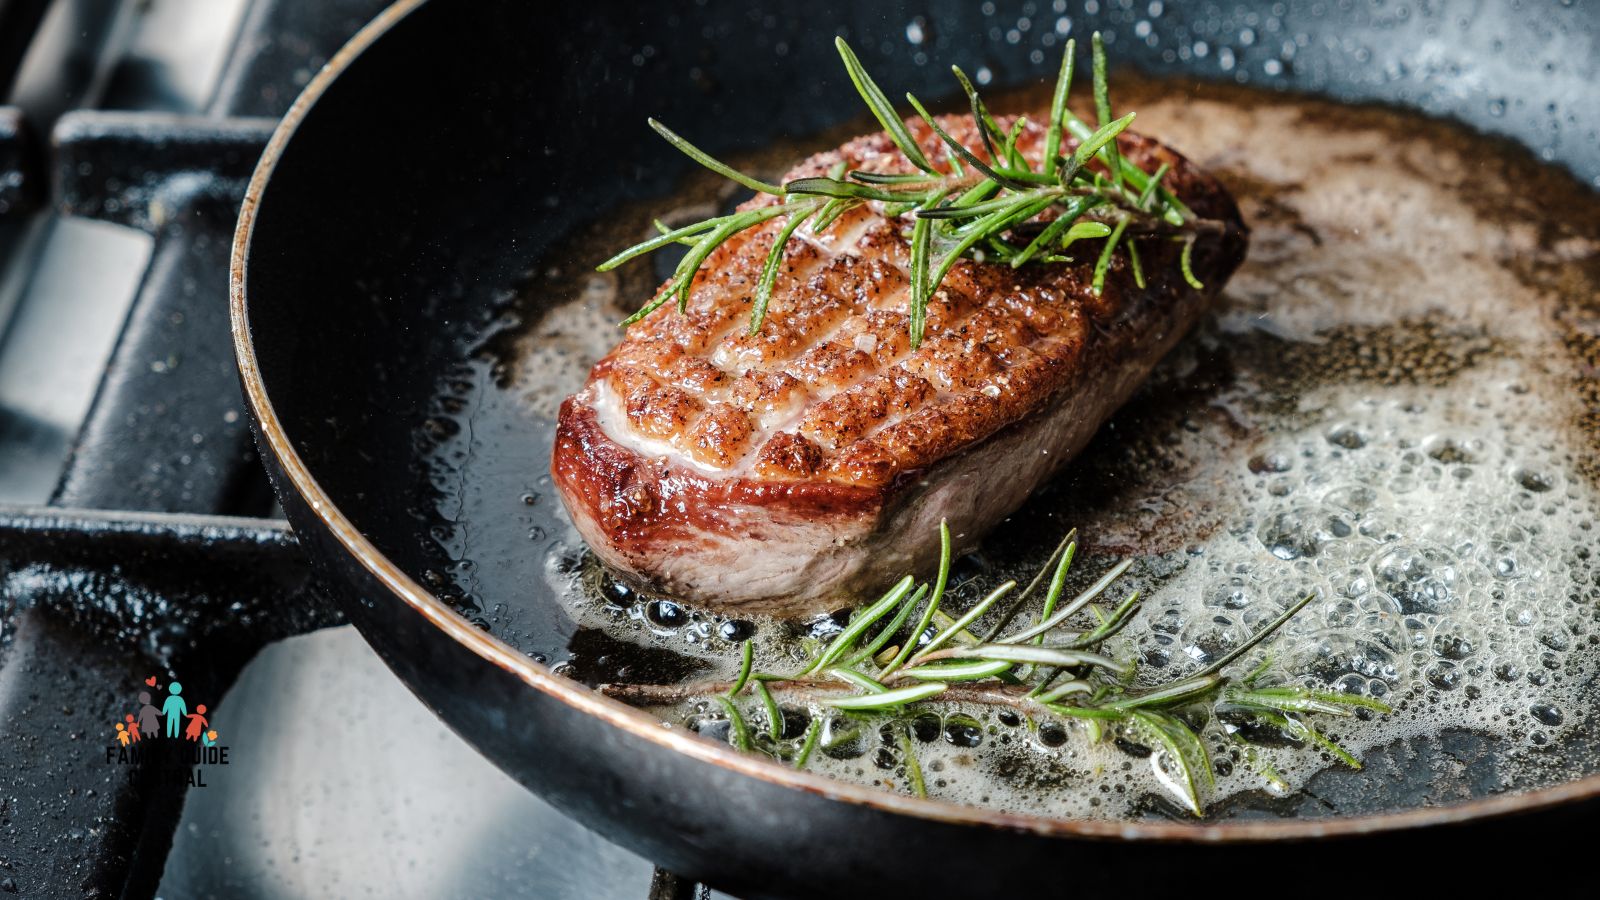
(640, 724)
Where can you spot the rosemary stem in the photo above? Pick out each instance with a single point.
(805, 689)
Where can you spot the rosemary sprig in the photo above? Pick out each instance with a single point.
(1040, 670)
(988, 204)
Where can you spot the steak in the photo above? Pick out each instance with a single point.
(791, 471)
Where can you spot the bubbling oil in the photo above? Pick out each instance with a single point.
(1391, 409)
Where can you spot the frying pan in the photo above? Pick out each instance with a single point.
(434, 168)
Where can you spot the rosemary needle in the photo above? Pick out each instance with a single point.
(738, 731)
(774, 714)
(958, 670)
(897, 697)
(809, 743)
(913, 766)
(1102, 103)
(744, 670)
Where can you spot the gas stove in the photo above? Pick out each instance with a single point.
(139, 551)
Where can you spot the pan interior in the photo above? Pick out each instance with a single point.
(1334, 428)
(456, 306)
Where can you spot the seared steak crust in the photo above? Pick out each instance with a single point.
(783, 471)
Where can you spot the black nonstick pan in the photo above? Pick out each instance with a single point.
(440, 165)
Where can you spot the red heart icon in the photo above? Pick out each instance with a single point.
(151, 681)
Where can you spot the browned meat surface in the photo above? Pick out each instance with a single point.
(789, 471)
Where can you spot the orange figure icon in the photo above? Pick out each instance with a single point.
(133, 729)
(197, 723)
(122, 735)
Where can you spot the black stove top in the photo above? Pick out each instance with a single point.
(138, 547)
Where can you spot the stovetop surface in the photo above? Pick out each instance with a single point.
(341, 783)
(346, 786)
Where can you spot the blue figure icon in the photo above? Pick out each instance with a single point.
(174, 708)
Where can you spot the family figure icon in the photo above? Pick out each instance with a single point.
(175, 710)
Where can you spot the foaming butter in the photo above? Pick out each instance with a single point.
(1393, 409)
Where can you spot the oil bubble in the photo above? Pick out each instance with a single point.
(1421, 577)
(1302, 531)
